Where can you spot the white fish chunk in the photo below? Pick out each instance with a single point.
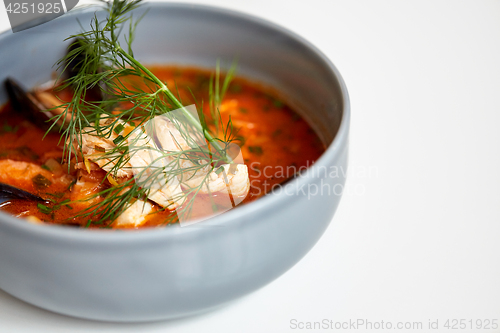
(233, 179)
(151, 170)
(94, 148)
(135, 215)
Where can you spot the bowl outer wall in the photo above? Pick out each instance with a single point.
(176, 271)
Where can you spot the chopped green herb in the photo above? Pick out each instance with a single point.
(44, 209)
(43, 166)
(118, 139)
(254, 167)
(26, 151)
(65, 203)
(123, 149)
(118, 128)
(278, 103)
(243, 110)
(241, 140)
(54, 195)
(40, 181)
(277, 133)
(8, 128)
(235, 88)
(219, 170)
(257, 150)
(70, 186)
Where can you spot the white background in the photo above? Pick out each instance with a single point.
(417, 237)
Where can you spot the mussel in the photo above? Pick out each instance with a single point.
(40, 106)
(73, 66)
(8, 192)
(74, 63)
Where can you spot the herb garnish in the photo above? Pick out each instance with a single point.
(102, 62)
(40, 181)
(257, 150)
(8, 128)
(44, 209)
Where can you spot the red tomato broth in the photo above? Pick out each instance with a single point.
(275, 143)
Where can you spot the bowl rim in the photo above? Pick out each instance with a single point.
(261, 205)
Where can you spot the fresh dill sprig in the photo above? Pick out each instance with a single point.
(216, 92)
(103, 64)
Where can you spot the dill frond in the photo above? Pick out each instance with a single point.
(102, 64)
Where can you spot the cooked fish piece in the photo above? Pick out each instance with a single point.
(170, 139)
(234, 179)
(152, 170)
(135, 215)
(28, 176)
(84, 194)
(95, 147)
(145, 163)
(231, 179)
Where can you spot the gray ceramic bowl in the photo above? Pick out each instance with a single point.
(178, 271)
